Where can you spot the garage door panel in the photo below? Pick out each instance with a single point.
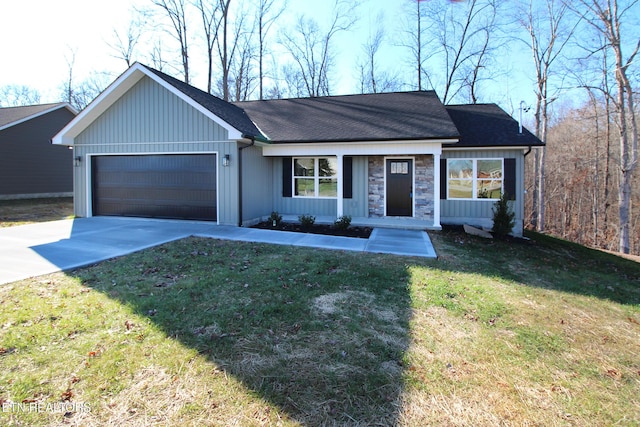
(158, 186)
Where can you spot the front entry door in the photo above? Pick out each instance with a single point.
(399, 195)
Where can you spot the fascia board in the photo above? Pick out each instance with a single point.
(357, 148)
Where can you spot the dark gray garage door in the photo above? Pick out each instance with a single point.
(156, 186)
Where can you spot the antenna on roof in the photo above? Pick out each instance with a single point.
(526, 108)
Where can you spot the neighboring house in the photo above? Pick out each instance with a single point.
(153, 146)
(30, 166)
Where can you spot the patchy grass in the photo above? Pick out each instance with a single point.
(206, 332)
(28, 211)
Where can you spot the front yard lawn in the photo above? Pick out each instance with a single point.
(208, 332)
(27, 211)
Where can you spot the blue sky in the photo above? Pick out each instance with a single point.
(38, 34)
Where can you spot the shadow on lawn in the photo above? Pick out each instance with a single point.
(320, 334)
(544, 262)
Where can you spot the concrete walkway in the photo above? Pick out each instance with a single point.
(43, 248)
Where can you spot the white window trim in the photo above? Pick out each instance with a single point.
(474, 179)
(316, 178)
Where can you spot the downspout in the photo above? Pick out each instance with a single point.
(253, 141)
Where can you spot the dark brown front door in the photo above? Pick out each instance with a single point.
(399, 187)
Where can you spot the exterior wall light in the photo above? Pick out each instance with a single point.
(77, 160)
(226, 160)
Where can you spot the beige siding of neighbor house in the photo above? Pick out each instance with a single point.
(149, 119)
(479, 212)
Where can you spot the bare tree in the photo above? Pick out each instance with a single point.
(312, 49)
(124, 45)
(244, 80)
(210, 13)
(414, 36)
(231, 34)
(462, 41)
(80, 94)
(18, 96)
(372, 78)
(266, 16)
(607, 17)
(176, 11)
(548, 33)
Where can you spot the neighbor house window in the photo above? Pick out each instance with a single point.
(315, 176)
(474, 178)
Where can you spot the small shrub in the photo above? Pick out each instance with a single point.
(503, 217)
(275, 219)
(343, 222)
(307, 220)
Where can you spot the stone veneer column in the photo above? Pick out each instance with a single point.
(376, 186)
(423, 191)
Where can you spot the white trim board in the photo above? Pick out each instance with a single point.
(362, 148)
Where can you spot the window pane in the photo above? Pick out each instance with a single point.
(303, 167)
(328, 188)
(460, 189)
(304, 187)
(460, 168)
(328, 166)
(490, 169)
(489, 189)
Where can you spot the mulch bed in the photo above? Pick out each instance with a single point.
(329, 230)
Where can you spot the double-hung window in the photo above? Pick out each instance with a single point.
(472, 179)
(315, 177)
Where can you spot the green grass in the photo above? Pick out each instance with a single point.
(27, 211)
(207, 332)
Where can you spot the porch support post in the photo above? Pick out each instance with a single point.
(340, 204)
(436, 191)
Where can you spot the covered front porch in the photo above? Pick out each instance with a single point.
(375, 173)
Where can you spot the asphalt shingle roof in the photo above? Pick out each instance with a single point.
(418, 115)
(228, 112)
(487, 125)
(14, 114)
(372, 117)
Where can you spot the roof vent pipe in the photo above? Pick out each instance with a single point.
(525, 108)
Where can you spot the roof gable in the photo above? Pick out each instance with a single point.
(487, 125)
(12, 116)
(235, 122)
(371, 117)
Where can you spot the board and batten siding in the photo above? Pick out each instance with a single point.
(354, 207)
(479, 212)
(257, 175)
(149, 119)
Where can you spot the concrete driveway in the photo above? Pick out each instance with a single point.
(48, 247)
(43, 248)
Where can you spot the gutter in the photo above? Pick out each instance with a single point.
(253, 142)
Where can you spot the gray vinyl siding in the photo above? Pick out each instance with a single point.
(479, 212)
(29, 164)
(257, 172)
(151, 119)
(356, 206)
